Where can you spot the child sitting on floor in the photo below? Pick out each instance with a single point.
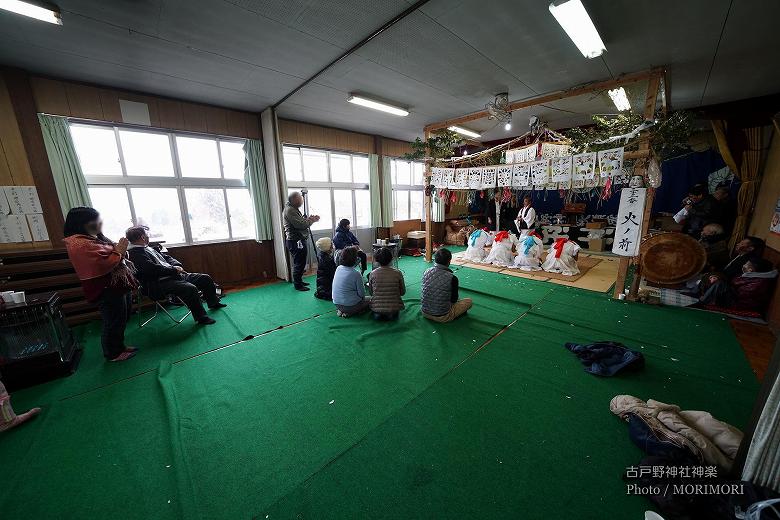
(349, 293)
(529, 251)
(501, 252)
(326, 269)
(562, 258)
(386, 285)
(476, 245)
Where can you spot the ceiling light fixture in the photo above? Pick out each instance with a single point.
(508, 127)
(464, 131)
(39, 11)
(376, 105)
(620, 98)
(574, 19)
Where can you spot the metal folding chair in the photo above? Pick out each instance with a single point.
(158, 306)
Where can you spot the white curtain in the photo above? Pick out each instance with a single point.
(375, 190)
(762, 465)
(387, 194)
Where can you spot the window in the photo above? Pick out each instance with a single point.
(337, 185)
(187, 188)
(408, 185)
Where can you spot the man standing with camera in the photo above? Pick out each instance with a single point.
(296, 231)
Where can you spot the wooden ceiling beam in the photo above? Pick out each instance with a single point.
(619, 81)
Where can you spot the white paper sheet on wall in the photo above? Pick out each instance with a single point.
(23, 199)
(13, 229)
(5, 208)
(37, 227)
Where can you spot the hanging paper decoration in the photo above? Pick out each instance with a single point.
(448, 178)
(521, 175)
(560, 168)
(489, 177)
(504, 175)
(551, 150)
(475, 178)
(653, 174)
(540, 172)
(436, 175)
(584, 166)
(461, 178)
(611, 162)
(521, 155)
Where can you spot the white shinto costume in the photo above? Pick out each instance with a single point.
(560, 258)
(529, 252)
(476, 245)
(501, 251)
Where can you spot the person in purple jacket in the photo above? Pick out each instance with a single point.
(344, 238)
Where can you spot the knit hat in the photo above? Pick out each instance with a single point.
(324, 244)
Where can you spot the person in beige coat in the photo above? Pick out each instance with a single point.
(386, 285)
(711, 440)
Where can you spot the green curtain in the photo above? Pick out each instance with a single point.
(387, 194)
(375, 190)
(254, 174)
(65, 167)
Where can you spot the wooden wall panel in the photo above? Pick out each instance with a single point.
(171, 115)
(84, 100)
(394, 147)
(230, 263)
(216, 120)
(194, 117)
(305, 134)
(50, 96)
(109, 101)
(236, 122)
(252, 124)
(11, 142)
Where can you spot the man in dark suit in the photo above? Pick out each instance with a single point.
(161, 275)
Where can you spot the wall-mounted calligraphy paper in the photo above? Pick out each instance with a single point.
(475, 178)
(628, 226)
(560, 168)
(611, 162)
(540, 172)
(23, 199)
(488, 177)
(550, 150)
(13, 229)
(37, 227)
(584, 166)
(461, 178)
(504, 175)
(521, 175)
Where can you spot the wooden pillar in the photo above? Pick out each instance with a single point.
(644, 150)
(428, 201)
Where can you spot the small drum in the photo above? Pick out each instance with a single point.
(671, 258)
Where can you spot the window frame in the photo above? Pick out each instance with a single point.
(177, 181)
(329, 184)
(407, 187)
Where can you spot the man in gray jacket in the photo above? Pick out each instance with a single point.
(296, 232)
(440, 291)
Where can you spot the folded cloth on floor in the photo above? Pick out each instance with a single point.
(709, 439)
(606, 358)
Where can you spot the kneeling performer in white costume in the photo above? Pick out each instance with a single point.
(529, 251)
(562, 258)
(476, 245)
(501, 251)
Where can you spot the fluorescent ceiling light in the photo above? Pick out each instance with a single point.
(464, 131)
(574, 19)
(620, 99)
(46, 14)
(376, 105)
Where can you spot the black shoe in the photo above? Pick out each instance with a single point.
(205, 320)
(302, 288)
(217, 305)
(306, 284)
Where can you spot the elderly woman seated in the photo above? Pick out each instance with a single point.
(750, 292)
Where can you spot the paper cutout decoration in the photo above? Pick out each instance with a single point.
(521, 175)
(461, 178)
(611, 162)
(584, 166)
(5, 208)
(560, 168)
(13, 229)
(489, 177)
(540, 172)
(504, 175)
(436, 176)
(628, 226)
(521, 155)
(550, 150)
(551, 186)
(448, 178)
(475, 178)
(23, 199)
(37, 227)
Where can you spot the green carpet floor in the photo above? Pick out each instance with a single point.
(335, 418)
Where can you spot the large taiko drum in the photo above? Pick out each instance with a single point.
(671, 258)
